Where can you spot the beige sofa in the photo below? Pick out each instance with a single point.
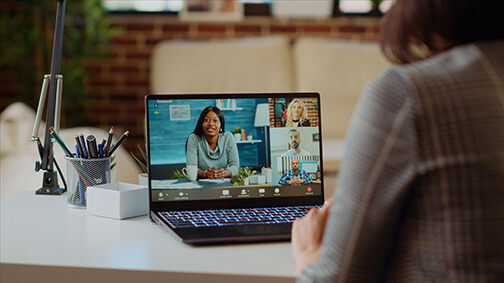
(338, 69)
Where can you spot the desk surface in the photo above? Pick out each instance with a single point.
(39, 231)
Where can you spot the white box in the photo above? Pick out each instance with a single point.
(118, 200)
(257, 179)
(266, 172)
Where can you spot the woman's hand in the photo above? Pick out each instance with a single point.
(307, 234)
(211, 172)
(214, 173)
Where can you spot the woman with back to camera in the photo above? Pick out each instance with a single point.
(420, 194)
(297, 114)
(210, 148)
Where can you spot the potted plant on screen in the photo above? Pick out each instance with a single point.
(237, 133)
(242, 177)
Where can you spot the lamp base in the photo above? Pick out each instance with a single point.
(50, 185)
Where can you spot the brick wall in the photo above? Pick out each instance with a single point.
(120, 81)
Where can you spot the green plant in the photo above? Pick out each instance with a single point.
(177, 175)
(375, 4)
(26, 38)
(243, 173)
(375, 8)
(140, 162)
(236, 130)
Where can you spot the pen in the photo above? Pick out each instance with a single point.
(100, 150)
(118, 143)
(81, 184)
(58, 139)
(78, 147)
(93, 149)
(83, 143)
(109, 141)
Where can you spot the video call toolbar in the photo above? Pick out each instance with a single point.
(236, 192)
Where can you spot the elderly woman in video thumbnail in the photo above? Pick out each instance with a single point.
(212, 149)
(297, 114)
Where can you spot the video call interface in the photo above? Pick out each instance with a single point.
(203, 149)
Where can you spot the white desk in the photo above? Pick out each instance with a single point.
(44, 241)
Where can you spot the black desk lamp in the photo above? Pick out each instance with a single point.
(50, 182)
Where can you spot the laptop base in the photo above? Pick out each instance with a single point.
(230, 234)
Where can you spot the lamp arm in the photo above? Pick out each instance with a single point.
(40, 108)
(47, 157)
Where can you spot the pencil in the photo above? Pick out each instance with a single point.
(81, 185)
(83, 143)
(77, 154)
(58, 139)
(118, 143)
(109, 141)
(80, 152)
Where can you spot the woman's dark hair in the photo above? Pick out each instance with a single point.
(199, 126)
(411, 27)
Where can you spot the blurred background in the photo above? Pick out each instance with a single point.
(107, 47)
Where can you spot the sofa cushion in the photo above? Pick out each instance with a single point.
(256, 64)
(339, 70)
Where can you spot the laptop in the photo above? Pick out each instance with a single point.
(228, 168)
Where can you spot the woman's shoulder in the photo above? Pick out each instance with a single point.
(306, 123)
(443, 66)
(227, 136)
(394, 76)
(446, 68)
(396, 84)
(194, 137)
(389, 91)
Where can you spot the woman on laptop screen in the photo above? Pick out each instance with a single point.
(297, 114)
(210, 148)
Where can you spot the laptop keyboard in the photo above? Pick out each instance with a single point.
(235, 216)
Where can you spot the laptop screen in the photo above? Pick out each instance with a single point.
(234, 147)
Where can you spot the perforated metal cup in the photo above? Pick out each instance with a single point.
(83, 173)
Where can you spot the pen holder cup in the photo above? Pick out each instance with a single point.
(83, 173)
